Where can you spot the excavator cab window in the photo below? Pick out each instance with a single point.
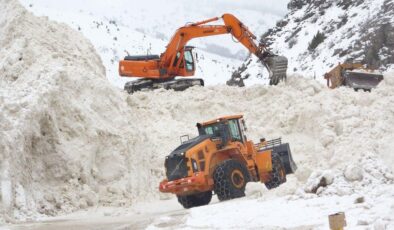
(189, 61)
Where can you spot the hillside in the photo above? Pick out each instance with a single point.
(316, 35)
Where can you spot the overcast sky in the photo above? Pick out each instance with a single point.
(278, 7)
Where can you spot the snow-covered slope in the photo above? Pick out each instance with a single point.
(140, 27)
(353, 30)
(350, 30)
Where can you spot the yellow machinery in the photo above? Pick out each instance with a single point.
(222, 160)
(353, 75)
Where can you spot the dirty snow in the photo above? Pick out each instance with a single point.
(71, 142)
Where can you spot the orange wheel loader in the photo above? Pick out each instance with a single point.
(178, 60)
(222, 160)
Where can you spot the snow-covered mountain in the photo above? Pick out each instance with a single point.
(70, 142)
(119, 27)
(316, 35)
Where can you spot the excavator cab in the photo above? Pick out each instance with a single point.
(186, 64)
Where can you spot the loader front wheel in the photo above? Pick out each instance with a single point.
(278, 174)
(195, 200)
(230, 178)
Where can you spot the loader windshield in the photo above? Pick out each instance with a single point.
(212, 130)
(233, 128)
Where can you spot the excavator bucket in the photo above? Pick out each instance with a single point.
(277, 68)
(361, 80)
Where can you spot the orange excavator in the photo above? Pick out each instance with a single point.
(178, 60)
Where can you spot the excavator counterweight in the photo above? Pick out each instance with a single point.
(178, 60)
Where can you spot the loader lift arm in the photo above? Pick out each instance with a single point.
(171, 63)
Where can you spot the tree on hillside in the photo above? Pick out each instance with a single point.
(316, 40)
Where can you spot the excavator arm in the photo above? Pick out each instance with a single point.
(172, 62)
(231, 26)
(199, 29)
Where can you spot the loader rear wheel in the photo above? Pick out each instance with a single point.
(230, 179)
(195, 200)
(278, 174)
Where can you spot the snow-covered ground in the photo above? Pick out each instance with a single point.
(252, 212)
(79, 153)
(145, 27)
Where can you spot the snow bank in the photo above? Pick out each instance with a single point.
(68, 140)
(327, 129)
(341, 142)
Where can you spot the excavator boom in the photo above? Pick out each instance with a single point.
(177, 60)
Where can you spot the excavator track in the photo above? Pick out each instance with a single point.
(174, 84)
(277, 67)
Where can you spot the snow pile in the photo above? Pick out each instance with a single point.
(339, 135)
(68, 140)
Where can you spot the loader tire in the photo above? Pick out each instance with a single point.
(278, 174)
(195, 200)
(230, 178)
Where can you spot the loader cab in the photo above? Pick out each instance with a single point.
(231, 128)
(186, 64)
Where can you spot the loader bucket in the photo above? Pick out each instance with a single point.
(360, 80)
(284, 153)
(277, 68)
